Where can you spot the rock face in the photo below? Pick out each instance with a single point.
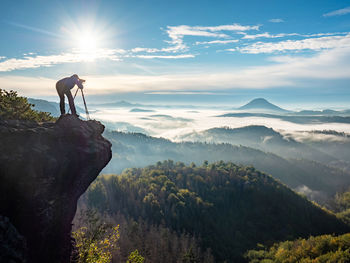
(44, 169)
(12, 245)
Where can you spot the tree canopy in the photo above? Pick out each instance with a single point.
(324, 248)
(231, 208)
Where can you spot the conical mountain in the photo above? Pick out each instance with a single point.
(261, 104)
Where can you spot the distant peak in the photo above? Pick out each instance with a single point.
(260, 99)
(261, 103)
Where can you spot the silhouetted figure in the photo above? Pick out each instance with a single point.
(63, 87)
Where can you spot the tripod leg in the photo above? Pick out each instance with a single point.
(76, 93)
(86, 110)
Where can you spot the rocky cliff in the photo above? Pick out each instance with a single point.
(44, 169)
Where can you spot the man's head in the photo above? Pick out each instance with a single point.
(76, 76)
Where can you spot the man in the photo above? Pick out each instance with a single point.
(63, 87)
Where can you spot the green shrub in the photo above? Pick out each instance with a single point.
(95, 242)
(135, 257)
(14, 107)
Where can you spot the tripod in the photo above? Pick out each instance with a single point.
(86, 109)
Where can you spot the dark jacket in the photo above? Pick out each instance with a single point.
(67, 84)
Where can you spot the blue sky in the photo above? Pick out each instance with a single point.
(291, 52)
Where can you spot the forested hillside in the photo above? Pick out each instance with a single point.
(324, 248)
(138, 150)
(231, 208)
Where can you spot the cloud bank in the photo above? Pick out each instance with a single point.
(286, 71)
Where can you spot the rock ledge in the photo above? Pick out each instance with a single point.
(44, 169)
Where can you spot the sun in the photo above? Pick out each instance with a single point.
(87, 38)
(87, 42)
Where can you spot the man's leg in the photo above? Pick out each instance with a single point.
(62, 104)
(60, 93)
(71, 102)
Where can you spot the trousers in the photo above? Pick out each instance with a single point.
(61, 90)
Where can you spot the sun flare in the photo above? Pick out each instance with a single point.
(87, 42)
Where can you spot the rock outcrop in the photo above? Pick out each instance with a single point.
(44, 169)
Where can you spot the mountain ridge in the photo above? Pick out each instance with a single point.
(293, 172)
(51, 107)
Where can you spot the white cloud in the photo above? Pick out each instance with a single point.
(297, 45)
(233, 27)
(268, 35)
(276, 20)
(216, 42)
(166, 56)
(325, 34)
(310, 136)
(36, 61)
(328, 64)
(170, 49)
(311, 194)
(281, 35)
(203, 119)
(338, 12)
(32, 86)
(68, 57)
(144, 49)
(177, 33)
